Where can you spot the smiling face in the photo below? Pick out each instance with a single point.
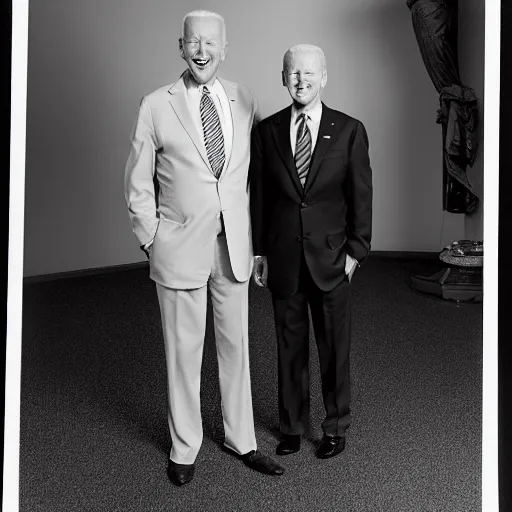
(203, 47)
(304, 75)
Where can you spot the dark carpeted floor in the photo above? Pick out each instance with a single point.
(93, 421)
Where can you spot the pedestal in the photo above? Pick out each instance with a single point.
(461, 281)
(451, 284)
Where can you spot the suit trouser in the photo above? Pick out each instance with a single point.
(330, 313)
(183, 315)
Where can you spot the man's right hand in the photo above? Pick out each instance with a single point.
(260, 270)
(147, 248)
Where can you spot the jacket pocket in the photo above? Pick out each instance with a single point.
(336, 240)
(171, 221)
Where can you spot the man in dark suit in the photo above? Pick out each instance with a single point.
(311, 212)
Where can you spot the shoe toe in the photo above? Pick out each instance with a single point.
(180, 474)
(263, 464)
(289, 444)
(330, 446)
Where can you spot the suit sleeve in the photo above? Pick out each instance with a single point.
(139, 187)
(257, 116)
(359, 196)
(254, 122)
(257, 200)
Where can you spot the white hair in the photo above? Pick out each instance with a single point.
(205, 14)
(304, 47)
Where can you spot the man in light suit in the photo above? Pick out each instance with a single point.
(195, 136)
(311, 209)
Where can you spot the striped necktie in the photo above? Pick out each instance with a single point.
(303, 149)
(213, 138)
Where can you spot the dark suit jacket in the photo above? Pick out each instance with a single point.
(329, 217)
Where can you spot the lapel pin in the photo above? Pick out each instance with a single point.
(332, 124)
(327, 136)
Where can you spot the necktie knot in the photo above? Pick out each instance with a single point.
(205, 90)
(302, 121)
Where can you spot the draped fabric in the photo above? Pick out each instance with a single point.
(435, 26)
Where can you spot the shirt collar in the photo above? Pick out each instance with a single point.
(192, 85)
(315, 114)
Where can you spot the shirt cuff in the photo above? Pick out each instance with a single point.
(349, 264)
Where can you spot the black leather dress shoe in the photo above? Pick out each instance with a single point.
(259, 462)
(180, 474)
(289, 444)
(330, 446)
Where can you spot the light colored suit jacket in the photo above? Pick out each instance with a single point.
(184, 225)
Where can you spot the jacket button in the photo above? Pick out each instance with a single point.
(303, 205)
(299, 238)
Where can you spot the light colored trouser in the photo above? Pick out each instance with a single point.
(184, 321)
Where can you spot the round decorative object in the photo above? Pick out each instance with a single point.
(463, 253)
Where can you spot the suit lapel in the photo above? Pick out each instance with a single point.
(328, 130)
(281, 134)
(236, 118)
(178, 102)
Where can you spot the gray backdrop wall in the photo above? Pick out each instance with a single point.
(91, 62)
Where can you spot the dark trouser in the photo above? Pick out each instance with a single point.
(330, 312)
